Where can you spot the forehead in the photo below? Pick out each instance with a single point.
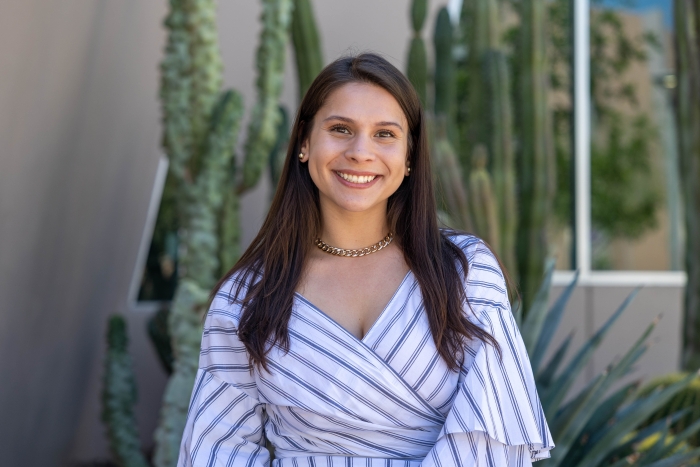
(363, 101)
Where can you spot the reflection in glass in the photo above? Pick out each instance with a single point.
(160, 272)
(634, 179)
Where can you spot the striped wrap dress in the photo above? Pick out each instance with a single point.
(384, 400)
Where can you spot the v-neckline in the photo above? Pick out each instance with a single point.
(363, 339)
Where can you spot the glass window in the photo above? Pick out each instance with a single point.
(635, 217)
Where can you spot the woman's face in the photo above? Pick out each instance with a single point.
(357, 149)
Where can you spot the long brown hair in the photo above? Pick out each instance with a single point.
(277, 255)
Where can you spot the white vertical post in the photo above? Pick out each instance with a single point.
(146, 236)
(582, 135)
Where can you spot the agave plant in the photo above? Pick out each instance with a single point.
(688, 398)
(596, 427)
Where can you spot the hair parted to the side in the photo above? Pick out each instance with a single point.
(277, 255)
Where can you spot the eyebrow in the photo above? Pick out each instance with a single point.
(350, 120)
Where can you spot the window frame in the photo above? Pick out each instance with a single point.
(582, 177)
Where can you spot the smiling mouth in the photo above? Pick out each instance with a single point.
(356, 178)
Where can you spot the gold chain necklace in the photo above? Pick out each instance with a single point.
(331, 250)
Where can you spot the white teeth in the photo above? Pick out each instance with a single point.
(357, 178)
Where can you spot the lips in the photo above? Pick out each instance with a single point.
(358, 179)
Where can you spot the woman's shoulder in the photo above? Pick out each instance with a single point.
(474, 248)
(228, 298)
(485, 282)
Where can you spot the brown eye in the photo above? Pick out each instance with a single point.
(385, 133)
(340, 129)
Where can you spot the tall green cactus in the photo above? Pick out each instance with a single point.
(201, 211)
(489, 116)
(481, 197)
(443, 78)
(687, 26)
(307, 45)
(262, 130)
(279, 150)
(201, 125)
(536, 155)
(119, 397)
(210, 206)
(449, 179)
(417, 71)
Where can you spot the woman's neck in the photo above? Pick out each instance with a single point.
(353, 230)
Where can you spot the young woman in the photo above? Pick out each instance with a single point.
(353, 331)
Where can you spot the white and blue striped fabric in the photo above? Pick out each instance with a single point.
(386, 400)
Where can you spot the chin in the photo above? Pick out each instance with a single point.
(356, 205)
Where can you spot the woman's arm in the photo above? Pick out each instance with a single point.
(496, 417)
(225, 421)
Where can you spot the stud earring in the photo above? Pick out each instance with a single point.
(409, 171)
(301, 156)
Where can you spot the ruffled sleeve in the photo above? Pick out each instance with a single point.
(496, 418)
(225, 419)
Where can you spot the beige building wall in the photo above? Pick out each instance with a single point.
(79, 149)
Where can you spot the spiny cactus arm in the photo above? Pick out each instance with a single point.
(417, 71)
(482, 200)
(687, 38)
(475, 128)
(206, 196)
(206, 72)
(279, 151)
(262, 131)
(119, 397)
(419, 11)
(307, 45)
(483, 206)
(175, 90)
(488, 118)
(502, 154)
(200, 268)
(450, 180)
(536, 149)
(444, 73)
(185, 323)
(229, 230)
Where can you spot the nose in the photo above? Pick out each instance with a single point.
(360, 149)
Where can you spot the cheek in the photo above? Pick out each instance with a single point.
(396, 157)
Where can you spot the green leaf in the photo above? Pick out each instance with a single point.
(544, 379)
(560, 387)
(536, 315)
(677, 460)
(682, 436)
(551, 323)
(627, 420)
